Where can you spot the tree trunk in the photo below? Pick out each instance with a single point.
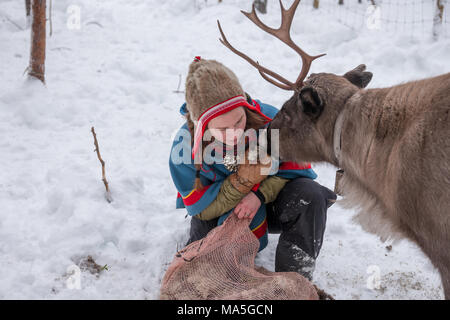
(316, 4)
(38, 34)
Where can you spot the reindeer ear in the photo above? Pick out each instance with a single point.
(358, 76)
(311, 103)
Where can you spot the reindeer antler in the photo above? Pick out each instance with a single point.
(283, 34)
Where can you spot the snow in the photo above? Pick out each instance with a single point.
(117, 72)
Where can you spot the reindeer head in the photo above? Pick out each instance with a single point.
(306, 121)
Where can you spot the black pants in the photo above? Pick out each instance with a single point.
(299, 214)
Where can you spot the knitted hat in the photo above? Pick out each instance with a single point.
(209, 83)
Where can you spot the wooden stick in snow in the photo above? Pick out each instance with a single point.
(179, 83)
(97, 149)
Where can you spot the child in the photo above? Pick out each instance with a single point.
(287, 201)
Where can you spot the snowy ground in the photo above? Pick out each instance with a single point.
(118, 73)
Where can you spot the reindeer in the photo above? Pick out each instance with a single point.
(393, 145)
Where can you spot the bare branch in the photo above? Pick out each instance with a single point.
(97, 149)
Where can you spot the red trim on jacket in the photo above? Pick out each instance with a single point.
(260, 230)
(255, 187)
(194, 196)
(294, 166)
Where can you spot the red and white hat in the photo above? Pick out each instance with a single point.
(217, 110)
(211, 90)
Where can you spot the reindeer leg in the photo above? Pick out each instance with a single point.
(441, 260)
(444, 270)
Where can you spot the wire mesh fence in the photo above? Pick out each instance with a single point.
(408, 17)
(416, 18)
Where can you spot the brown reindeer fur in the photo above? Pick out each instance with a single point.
(395, 153)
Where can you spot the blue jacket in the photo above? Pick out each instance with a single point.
(212, 177)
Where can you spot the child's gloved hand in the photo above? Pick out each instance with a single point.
(250, 173)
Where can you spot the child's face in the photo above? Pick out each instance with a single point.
(229, 127)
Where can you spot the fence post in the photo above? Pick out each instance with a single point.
(261, 5)
(28, 12)
(316, 4)
(437, 20)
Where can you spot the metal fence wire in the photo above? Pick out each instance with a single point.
(406, 17)
(416, 18)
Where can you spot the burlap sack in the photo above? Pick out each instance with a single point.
(222, 266)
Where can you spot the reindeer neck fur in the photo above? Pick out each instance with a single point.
(361, 150)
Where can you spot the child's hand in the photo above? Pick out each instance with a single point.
(248, 206)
